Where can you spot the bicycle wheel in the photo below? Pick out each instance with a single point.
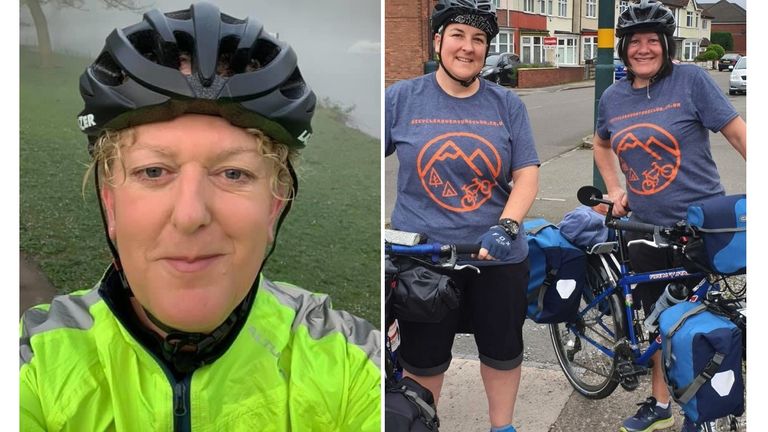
(590, 371)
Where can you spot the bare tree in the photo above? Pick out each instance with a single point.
(41, 24)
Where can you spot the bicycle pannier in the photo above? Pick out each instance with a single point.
(722, 246)
(409, 407)
(557, 275)
(702, 361)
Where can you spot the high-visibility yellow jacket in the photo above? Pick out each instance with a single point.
(295, 365)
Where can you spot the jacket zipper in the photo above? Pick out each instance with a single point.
(182, 419)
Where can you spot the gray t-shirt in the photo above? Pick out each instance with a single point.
(663, 142)
(456, 158)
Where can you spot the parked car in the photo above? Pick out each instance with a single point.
(738, 81)
(501, 68)
(619, 70)
(727, 61)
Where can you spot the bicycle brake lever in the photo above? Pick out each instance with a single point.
(467, 266)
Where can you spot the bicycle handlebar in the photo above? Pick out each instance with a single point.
(443, 250)
(635, 226)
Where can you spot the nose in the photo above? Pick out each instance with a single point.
(191, 201)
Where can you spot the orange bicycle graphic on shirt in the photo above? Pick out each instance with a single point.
(651, 177)
(471, 191)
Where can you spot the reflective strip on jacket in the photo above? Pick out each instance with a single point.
(296, 365)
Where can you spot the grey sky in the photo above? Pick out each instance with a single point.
(337, 41)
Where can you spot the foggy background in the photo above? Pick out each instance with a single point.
(337, 41)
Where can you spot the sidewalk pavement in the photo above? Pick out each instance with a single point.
(546, 402)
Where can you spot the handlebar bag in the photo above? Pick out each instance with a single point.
(417, 292)
(584, 227)
(701, 360)
(721, 246)
(557, 276)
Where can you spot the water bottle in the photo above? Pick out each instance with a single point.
(674, 293)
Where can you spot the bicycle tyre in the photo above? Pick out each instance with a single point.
(598, 378)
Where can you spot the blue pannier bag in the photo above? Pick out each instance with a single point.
(701, 360)
(721, 246)
(557, 275)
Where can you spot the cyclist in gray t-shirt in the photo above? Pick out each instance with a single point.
(460, 141)
(654, 125)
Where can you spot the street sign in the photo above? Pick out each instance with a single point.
(550, 40)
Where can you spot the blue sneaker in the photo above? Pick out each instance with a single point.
(649, 418)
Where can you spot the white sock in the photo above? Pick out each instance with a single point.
(661, 405)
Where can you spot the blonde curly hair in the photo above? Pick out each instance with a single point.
(108, 150)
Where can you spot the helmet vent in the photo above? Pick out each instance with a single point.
(227, 64)
(264, 53)
(107, 71)
(231, 20)
(294, 87)
(185, 15)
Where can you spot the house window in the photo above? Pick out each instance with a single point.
(590, 47)
(527, 5)
(543, 7)
(591, 8)
(504, 42)
(532, 49)
(549, 6)
(704, 24)
(562, 8)
(623, 5)
(497, 3)
(566, 51)
(690, 50)
(689, 19)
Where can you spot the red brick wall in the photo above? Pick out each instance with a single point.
(406, 38)
(543, 77)
(739, 32)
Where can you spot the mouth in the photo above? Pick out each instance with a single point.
(191, 264)
(464, 60)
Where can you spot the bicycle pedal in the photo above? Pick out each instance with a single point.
(628, 373)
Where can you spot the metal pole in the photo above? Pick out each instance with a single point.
(604, 67)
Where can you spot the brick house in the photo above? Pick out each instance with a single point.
(731, 18)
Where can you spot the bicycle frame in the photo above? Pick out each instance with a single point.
(625, 283)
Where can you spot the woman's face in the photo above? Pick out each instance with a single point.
(645, 54)
(191, 216)
(462, 50)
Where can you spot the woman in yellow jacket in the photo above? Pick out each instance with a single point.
(193, 118)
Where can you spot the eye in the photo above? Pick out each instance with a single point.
(233, 174)
(152, 172)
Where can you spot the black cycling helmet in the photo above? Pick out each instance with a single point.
(477, 13)
(647, 15)
(238, 71)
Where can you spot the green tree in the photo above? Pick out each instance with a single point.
(709, 55)
(41, 23)
(717, 48)
(724, 39)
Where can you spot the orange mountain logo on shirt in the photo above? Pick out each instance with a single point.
(649, 156)
(456, 179)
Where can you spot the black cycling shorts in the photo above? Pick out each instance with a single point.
(495, 303)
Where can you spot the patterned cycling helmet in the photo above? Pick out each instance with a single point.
(480, 14)
(647, 15)
(233, 69)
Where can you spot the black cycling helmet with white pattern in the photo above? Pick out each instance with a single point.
(136, 78)
(479, 13)
(647, 15)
